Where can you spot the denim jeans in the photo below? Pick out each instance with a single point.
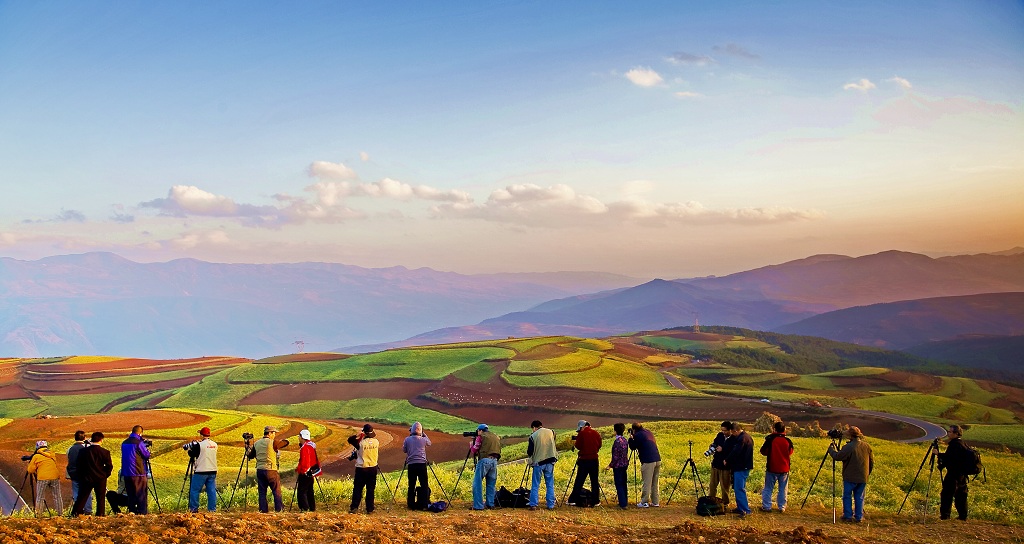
(548, 471)
(770, 478)
(75, 487)
(853, 497)
(486, 469)
(621, 486)
(200, 482)
(739, 489)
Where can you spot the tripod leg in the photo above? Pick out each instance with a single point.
(670, 495)
(295, 489)
(815, 479)
(928, 490)
(833, 491)
(934, 445)
(385, 478)
(568, 483)
(439, 484)
(461, 470)
(405, 464)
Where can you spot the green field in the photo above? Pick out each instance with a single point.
(935, 408)
(212, 392)
(669, 343)
(577, 361)
(966, 389)
(855, 372)
(1009, 435)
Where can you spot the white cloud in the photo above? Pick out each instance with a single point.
(901, 82)
(331, 170)
(644, 77)
(689, 59)
(863, 86)
(688, 94)
(364, 156)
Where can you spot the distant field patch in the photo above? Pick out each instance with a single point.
(302, 357)
(594, 344)
(855, 372)
(399, 412)
(966, 389)
(79, 404)
(477, 372)
(1009, 435)
(613, 375)
(935, 408)
(574, 361)
(212, 392)
(154, 377)
(809, 382)
(669, 343)
(89, 359)
(526, 344)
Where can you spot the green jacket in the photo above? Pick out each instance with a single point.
(542, 449)
(857, 459)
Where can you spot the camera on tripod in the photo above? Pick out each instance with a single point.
(147, 442)
(247, 437)
(710, 451)
(835, 434)
(26, 458)
(468, 434)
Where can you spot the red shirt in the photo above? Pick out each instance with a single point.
(588, 441)
(777, 447)
(308, 459)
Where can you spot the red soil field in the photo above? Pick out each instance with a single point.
(136, 366)
(13, 391)
(71, 386)
(301, 392)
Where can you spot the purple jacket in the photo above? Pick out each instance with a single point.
(620, 452)
(133, 456)
(415, 448)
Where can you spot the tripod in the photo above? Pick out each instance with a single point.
(469, 453)
(29, 478)
(189, 471)
(933, 449)
(634, 459)
(693, 472)
(152, 486)
(245, 463)
(836, 444)
(572, 483)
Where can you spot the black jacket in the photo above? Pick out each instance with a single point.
(719, 456)
(94, 465)
(957, 458)
(741, 457)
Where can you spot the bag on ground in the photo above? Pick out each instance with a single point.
(707, 506)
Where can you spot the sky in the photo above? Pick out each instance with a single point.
(653, 139)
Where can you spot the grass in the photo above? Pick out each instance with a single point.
(1008, 435)
(855, 372)
(87, 359)
(526, 344)
(810, 382)
(480, 372)
(965, 389)
(579, 360)
(423, 364)
(613, 375)
(68, 405)
(18, 408)
(152, 377)
(936, 408)
(669, 343)
(593, 344)
(213, 392)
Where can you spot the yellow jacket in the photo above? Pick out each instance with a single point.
(44, 465)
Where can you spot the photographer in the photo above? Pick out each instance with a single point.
(72, 468)
(720, 476)
(619, 465)
(204, 471)
(267, 453)
(134, 458)
(777, 448)
(740, 462)
(415, 449)
(650, 464)
(486, 448)
(956, 461)
(308, 469)
(588, 442)
(543, 453)
(365, 455)
(94, 467)
(43, 465)
(858, 463)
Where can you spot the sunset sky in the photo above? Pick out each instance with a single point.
(655, 139)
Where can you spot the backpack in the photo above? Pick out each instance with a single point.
(435, 507)
(519, 498)
(972, 462)
(707, 506)
(422, 498)
(583, 498)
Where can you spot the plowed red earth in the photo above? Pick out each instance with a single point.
(563, 526)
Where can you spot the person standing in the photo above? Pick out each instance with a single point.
(619, 465)
(650, 464)
(72, 469)
(543, 454)
(366, 470)
(777, 448)
(415, 449)
(94, 467)
(204, 471)
(858, 462)
(720, 476)
(588, 443)
(267, 453)
(956, 459)
(43, 465)
(486, 448)
(740, 462)
(134, 465)
(306, 472)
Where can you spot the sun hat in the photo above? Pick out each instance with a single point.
(304, 434)
(269, 429)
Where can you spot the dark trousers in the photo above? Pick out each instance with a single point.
(137, 489)
(621, 486)
(364, 478)
(271, 479)
(586, 468)
(304, 488)
(417, 471)
(84, 489)
(954, 492)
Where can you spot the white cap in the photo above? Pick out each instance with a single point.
(304, 434)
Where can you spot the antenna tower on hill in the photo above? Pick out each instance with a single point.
(696, 322)
(300, 345)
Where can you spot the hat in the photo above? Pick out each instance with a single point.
(41, 444)
(854, 431)
(367, 428)
(304, 434)
(269, 429)
(580, 424)
(481, 427)
(205, 431)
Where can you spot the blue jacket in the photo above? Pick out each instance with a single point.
(645, 446)
(133, 456)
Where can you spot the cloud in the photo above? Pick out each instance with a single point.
(189, 200)
(364, 156)
(687, 59)
(688, 94)
(644, 77)
(736, 51)
(863, 86)
(901, 82)
(913, 109)
(331, 170)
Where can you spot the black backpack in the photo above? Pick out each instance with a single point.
(422, 498)
(972, 462)
(707, 506)
(519, 498)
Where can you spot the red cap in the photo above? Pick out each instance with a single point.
(205, 431)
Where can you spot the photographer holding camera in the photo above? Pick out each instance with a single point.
(588, 442)
(956, 460)
(486, 448)
(366, 455)
(94, 467)
(740, 462)
(858, 462)
(308, 469)
(43, 464)
(134, 457)
(650, 464)
(719, 449)
(777, 448)
(204, 472)
(267, 453)
(415, 449)
(72, 469)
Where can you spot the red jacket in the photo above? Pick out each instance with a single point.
(777, 447)
(308, 459)
(588, 441)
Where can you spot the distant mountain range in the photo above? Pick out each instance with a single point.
(764, 299)
(100, 303)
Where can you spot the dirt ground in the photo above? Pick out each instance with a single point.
(393, 524)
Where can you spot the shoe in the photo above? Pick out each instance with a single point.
(847, 520)
(353, 511)
(763, 509)
(533, 508)
(623, 507)
(571, 503)
(736, 511)
(655, 505)
(642, 505)
(782, 510)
